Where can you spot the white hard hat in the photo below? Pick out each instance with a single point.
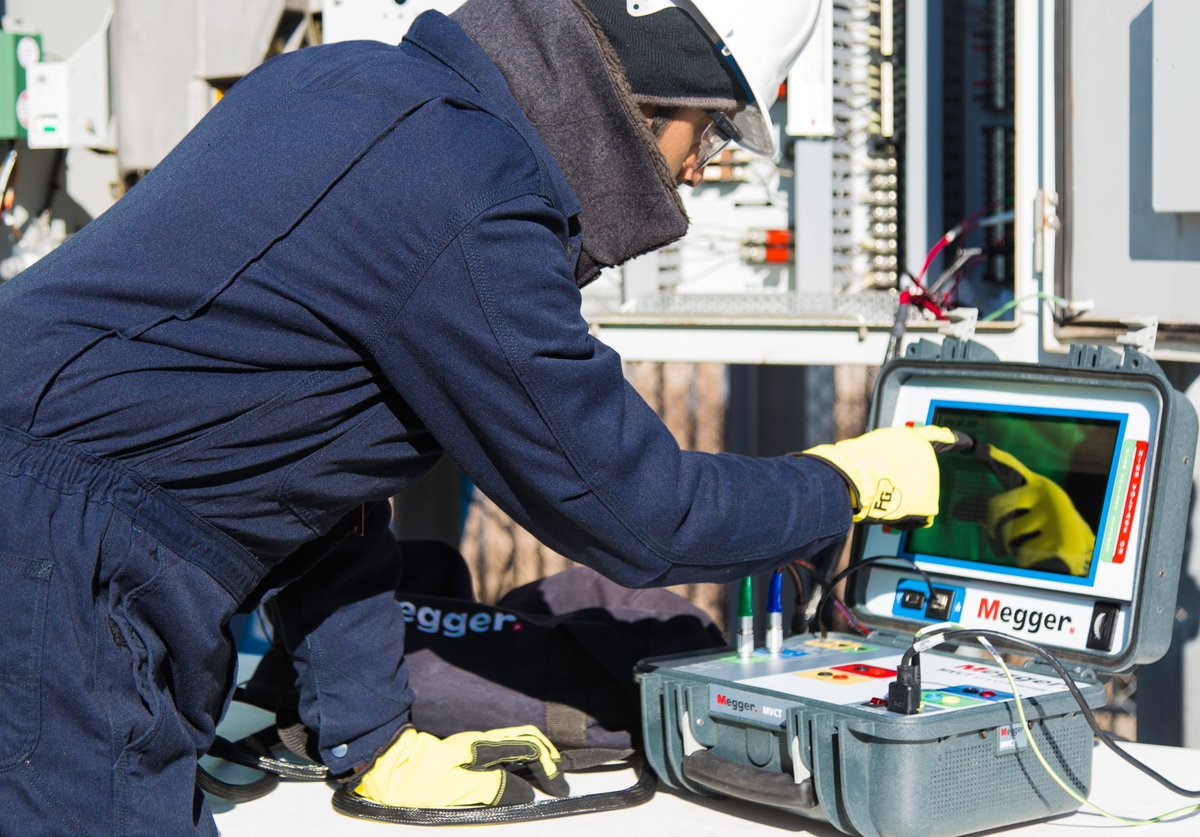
(761, 39)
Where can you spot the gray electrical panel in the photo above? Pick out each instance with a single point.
(1176, 68)
(1127, 195)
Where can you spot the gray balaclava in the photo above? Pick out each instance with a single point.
(573, 85)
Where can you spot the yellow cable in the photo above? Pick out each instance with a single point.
(1082, 800)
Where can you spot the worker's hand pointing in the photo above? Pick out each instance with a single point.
(892, 473)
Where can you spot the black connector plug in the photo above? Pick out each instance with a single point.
(904, 693)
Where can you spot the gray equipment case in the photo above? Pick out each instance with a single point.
(807, 730)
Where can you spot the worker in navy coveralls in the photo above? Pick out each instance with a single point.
(364, 257)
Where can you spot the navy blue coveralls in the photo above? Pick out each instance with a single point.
(361, 258)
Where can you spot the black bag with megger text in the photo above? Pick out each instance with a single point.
(557, 653)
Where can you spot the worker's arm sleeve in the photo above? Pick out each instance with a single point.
(343, 626)
(491, 351)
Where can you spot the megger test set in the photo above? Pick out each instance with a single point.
(1064, 526)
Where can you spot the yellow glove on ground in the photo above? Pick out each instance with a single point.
(1034, 520)
(892, 472)
(469, 769)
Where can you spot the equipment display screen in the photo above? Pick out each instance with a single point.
(1044, 519)
(1033, 497)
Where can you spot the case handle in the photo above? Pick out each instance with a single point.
(742, 781)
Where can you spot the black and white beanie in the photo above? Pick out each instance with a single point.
(668, 59)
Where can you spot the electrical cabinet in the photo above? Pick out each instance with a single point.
(68, 102)
(901, 127)
(18, 52)
(1050, 143)
(1119, 106)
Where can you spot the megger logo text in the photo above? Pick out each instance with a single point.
(453, 625)
(1029, 621)
(735, 704)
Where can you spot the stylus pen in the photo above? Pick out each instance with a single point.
(745, 634)
(775, 614)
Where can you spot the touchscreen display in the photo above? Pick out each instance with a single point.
(1032, 496)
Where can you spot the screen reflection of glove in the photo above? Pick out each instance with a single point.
(468, 769)
(1034, 520)
(892, 472)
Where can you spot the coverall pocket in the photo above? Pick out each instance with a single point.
(137, 710)
(26, 584)
(146, 653)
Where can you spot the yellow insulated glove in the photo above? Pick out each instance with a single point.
(892, 472)
(469, 769)
(1034, 520)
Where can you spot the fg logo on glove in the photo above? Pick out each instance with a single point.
(887, 498)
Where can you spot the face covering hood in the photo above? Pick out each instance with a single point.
(570, 85)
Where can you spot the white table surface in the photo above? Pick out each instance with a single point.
(299, 809)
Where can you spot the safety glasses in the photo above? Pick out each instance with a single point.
(719, 133)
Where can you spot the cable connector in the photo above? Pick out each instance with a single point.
(904, 693)
(926, 641)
